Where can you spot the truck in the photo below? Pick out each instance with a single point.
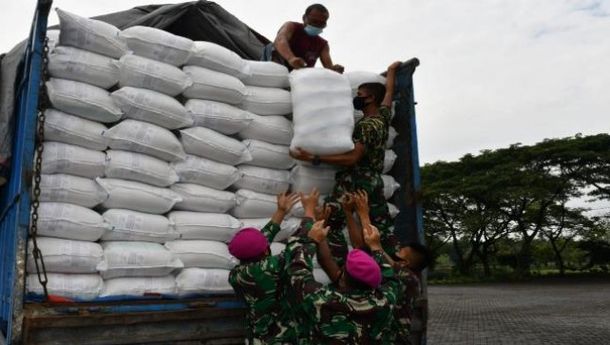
(217, 319)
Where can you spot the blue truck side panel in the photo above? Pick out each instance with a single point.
(16, 198)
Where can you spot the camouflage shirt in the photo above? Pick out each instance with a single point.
(333, 316)
(260, 285)
(372, 132)
(409, 292)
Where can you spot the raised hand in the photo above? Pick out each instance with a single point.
(318, 231)
(348, 203)
(323, 212)
(372, 238)
(310, 201)
(394, 66)
(361, 202)
(286, 200)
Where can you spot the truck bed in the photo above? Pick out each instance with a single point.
(209, 320)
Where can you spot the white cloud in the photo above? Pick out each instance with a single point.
(493, 72)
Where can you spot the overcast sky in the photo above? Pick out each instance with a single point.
(492, 73)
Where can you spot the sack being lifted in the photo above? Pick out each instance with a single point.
(322, 111)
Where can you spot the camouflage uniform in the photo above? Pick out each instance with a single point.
(409, 291)
(331, 316)
(372, 132)
(261, 285)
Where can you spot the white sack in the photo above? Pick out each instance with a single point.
(288, 227)
(388, 160)
(77, 286)
(136, 259)
(263, 180)
(71, 222)
(53, 38)
(152, 106)
(322, 111)
(214, 86)
(81, 65)
(196, 281)
(267, 101)
(304, 178)
(146, 138)
(392, 134)
(320, 276)
(137, 196)
(65, 256)
(90, 34)
(203, 199)
(251, 204)
(203, 254)
(71, 189)
(205, 226)
(208, 143)
(270, 128)
(269, 155)
(206, 172)
(394, 211)
(357, 78)
(139, 286)
(218, 58)
(138, 167)
(267, 74)
(60, 158)
(149, 74)
(84, 100)
(137, 226)
(277, 248)
(157, 44)
(390, 186)
(220, 117)
(70, 129)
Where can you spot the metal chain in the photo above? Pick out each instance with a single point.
(41, 270)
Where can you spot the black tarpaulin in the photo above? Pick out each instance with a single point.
(197, 20)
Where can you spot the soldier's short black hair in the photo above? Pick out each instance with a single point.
(377, 90)
(318, 7)
(424, 255)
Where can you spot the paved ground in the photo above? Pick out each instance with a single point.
(498, 314)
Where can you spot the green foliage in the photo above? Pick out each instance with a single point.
(508, 207)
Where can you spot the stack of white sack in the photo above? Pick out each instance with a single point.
(129, 183)
(82, 67)
(266, 138)
(218, 163)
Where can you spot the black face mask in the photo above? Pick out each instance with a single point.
(359, 103)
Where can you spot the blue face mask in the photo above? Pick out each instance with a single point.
(313, 30)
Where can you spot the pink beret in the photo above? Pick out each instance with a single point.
(248, 243)
(363, 268)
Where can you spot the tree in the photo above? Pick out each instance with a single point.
(518, 192)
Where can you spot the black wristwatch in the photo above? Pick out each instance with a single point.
(316, 160)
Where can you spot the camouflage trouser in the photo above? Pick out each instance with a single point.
(379, 213)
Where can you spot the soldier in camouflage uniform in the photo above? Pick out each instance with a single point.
(259, 280)
(358, 309)
(362, 167)
(410, 261)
